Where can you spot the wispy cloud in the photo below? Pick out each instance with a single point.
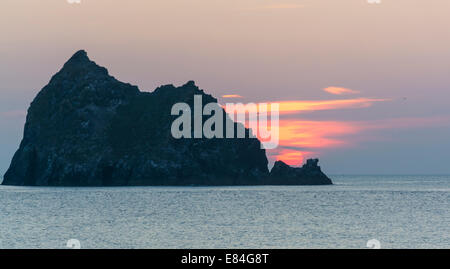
(287, 107)
(292, 107)
(300, 139)
(340, 91)
(231, 96)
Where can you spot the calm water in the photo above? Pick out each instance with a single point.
(399, 211)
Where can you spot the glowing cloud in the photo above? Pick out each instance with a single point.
(300, 139)
(292, 107)
(340, 91)
(315, 134)
(231, 96)
(292, 157)
(287, 107)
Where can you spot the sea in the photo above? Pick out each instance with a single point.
(355, 212)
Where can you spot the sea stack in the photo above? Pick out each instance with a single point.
(86, 128)
(309, 174)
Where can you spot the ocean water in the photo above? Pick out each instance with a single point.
(398, 211)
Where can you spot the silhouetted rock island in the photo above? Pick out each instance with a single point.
(309, 174)
(85, 128)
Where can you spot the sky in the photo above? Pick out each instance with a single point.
(364, 87)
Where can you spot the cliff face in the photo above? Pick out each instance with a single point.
(85, 128)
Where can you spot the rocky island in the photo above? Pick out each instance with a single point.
(86, 128)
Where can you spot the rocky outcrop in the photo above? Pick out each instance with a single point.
(85, 128)
(309, 174)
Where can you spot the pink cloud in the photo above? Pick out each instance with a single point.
(340, 91)
(300, 139)
(231, 96)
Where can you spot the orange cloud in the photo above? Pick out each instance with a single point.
(315, 134)
(298, 134)
(292, 107)
(340, 91)
(287, 107)
(231, 96)
(292, 157)
(300, 139)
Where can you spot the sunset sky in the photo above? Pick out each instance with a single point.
(364, 87)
